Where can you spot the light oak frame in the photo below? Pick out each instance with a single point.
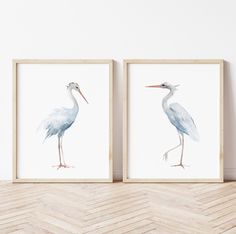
(125, 116)
(62, 61)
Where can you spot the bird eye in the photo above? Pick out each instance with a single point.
(163, 85)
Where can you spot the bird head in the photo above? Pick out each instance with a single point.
(164, 85)
(75, 86)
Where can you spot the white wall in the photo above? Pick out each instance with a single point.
(118, 29)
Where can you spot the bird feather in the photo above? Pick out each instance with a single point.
(182, 120)
(58, 121)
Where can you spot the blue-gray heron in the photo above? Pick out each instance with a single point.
(61, 119)
(179, 117)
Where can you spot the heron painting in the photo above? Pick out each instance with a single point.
(178, 117)
(62, 119)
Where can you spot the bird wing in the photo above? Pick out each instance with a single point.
(58, 121)
(182, 120)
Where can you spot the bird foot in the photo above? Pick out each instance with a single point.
(165, 156)
(62, 165)
(67, 166)
(58, 166)
(180, 165)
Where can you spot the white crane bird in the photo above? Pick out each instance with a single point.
(179, 117)
(62, 119)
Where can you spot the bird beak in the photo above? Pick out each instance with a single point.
(83, 96)
(153, 86)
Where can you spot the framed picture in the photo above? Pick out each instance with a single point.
(62, 120)
(173, 121)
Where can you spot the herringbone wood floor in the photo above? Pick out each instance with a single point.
(117, 208)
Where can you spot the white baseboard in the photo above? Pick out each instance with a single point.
(229, 174)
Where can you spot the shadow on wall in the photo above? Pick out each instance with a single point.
(229, 122)
(117, 121)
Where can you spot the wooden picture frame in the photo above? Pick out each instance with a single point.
(140, 65)
(108, 70)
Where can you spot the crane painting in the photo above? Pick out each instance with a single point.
(178, 117)
(62, 119)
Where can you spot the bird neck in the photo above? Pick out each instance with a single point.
(166, 98)
(75, 106)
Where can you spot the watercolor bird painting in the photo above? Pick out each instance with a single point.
(178, 117)
(61, 119)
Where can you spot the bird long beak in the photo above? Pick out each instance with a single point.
(83, 96)
(153, 86)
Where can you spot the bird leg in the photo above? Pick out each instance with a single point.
(165, 155)
(62, 155)
(182, 153)
(59, 151)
